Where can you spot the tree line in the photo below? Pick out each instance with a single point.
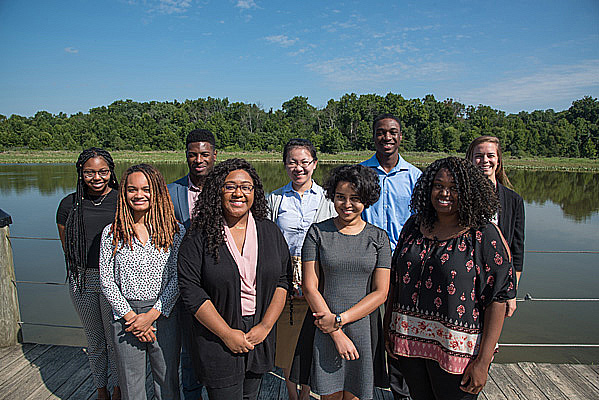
(342, 125)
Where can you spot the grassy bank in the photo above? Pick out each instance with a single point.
(420, 159)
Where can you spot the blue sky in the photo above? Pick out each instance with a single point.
(71, 56)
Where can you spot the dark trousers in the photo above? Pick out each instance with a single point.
(247, 389)
(397, 382)
(191, 387)
(427, 381)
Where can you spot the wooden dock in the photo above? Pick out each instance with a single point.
(38, 371)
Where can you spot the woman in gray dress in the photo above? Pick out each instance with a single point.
(346, 265)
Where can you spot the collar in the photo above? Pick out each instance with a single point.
(373, 162)
(313, 189)
(192, 187)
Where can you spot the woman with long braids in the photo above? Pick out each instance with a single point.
(234, 274)
(451, 276)
(138, 274)
(80, 218)
(485, 153)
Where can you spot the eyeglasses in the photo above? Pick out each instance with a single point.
(303, 164)
(246, 188)
(90, 173)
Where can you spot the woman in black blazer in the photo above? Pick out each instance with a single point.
(485, 152)
(234, 273)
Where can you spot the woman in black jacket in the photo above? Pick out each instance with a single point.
(234, 273)
(485, 152)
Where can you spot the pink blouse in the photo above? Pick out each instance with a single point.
(246, 263)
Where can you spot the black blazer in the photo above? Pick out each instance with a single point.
(511, 223)
(201, 279)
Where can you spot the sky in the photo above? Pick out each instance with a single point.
(70, 56)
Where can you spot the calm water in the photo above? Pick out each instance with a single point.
(562, 213)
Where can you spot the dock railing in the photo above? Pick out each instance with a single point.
(10, 322)
(10, 328)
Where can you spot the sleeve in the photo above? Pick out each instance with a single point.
(167, 299)
(383, 249)
(120, 305)
(496, 280)
(190, 261)
(286, 268)
(270, 201)
(517, 246)
(310, 249)
(64, 208)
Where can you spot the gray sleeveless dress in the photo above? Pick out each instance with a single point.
(346, 264)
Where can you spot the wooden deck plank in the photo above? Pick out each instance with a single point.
(43, 368)
(491, 390)
(383, 394)
(20, 362)
(586, 371)
(74, 383)
(581, 384)
(561, 380)
(64, 374)
(269, 388)
(526, 386)
(85, 390)
(542, 381)
(282, 390)
(21, 354)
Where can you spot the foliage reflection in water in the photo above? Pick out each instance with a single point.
(561, 214)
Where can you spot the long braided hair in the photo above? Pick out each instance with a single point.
(208, 216)
(75, 253)
(160, 218)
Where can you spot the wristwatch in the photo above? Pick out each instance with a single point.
(338, 320)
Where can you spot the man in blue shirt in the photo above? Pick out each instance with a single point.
(397, 178)
(200, 152)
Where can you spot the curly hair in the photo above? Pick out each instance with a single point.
(363, 179)
(160, 218)
(499, 172)
(207, 216)
(75, 253)
(477, 200)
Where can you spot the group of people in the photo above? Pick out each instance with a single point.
(216, 283)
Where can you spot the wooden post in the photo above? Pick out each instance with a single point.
(10, 331)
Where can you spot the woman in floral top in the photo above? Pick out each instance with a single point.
(451, 277)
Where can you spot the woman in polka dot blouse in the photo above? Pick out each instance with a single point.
(138, 272)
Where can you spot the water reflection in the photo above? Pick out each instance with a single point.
(577, 193)
(561, 211)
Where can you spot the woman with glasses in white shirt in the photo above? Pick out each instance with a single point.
(294, 207)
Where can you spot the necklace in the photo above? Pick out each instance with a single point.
(101, 200)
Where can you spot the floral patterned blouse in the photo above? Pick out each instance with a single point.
(441, 291)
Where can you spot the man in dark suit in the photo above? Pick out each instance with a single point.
(201, 156)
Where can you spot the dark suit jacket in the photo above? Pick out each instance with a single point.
(511, 223)
(201, 279)
(178, 192)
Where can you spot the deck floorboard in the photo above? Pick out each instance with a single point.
(31, 371)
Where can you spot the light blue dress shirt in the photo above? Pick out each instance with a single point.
(393, 208)
(296, 214)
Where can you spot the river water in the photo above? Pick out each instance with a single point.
(562, 213)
